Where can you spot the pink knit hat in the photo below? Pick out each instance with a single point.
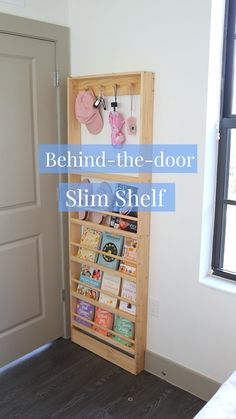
(86, 113)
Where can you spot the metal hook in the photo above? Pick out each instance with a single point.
(115, 104)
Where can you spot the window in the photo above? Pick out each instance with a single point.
(224, 244)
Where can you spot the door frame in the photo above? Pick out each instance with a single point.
(60, 35)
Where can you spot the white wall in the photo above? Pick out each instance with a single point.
(196, 324)
(52, 11)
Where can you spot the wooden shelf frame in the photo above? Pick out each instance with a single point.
(143, 85)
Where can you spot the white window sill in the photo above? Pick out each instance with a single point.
(219, 283)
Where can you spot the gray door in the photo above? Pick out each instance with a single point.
(30, 259)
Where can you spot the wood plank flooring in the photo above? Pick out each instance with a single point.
(66, 381)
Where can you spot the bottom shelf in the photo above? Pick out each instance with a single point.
(104, 351)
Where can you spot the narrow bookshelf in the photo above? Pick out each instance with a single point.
(109, 299)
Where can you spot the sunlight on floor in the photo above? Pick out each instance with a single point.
(25, 357)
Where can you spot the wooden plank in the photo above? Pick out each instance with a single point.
(112, 177)
(74, 131)
(104, 351)
(74, 137)
(107, 75)
(146, 133)
(105, 84)
(109, 331)
(96, 303)
(103, 268)
(103, 227)
(119, 215)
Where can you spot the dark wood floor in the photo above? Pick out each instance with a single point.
(66, 381)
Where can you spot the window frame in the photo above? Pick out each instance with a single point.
(227, 122)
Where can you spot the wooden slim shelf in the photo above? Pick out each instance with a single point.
(131, 358)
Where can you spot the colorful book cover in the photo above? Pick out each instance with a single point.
(128, 268)
(103, 318)
(130, 249)
(122, 224)
(124, 190)
(86, 292)
(117, 221)
(109, 301)
(90, 238)
(91, 276)
(85, 310)
(110, 284)
(125, 328)
(128, 291)
(112, 245)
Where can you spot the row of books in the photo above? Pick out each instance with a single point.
(112, 245)
(104, 319)
(109, 288)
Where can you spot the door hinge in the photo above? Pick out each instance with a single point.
(63, 295)
(56, 78)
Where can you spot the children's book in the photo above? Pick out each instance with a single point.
(91, 276)
(110, 284)
(90, 238)
(87, 292)
(117, 221)
(130, 249)
(85, 310)
(129, 252)
(123, 327)
(112, 245)
(123, 224)
(103, 318)
(128, 291)
(128, 268)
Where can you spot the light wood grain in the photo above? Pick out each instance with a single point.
(104, 350)
(110, 177)
(109, 331)
(146, 133)
(107, 83)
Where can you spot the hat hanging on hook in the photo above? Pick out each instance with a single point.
(86, 113)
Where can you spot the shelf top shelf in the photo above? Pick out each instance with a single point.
(110, 75)
(124, 81)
